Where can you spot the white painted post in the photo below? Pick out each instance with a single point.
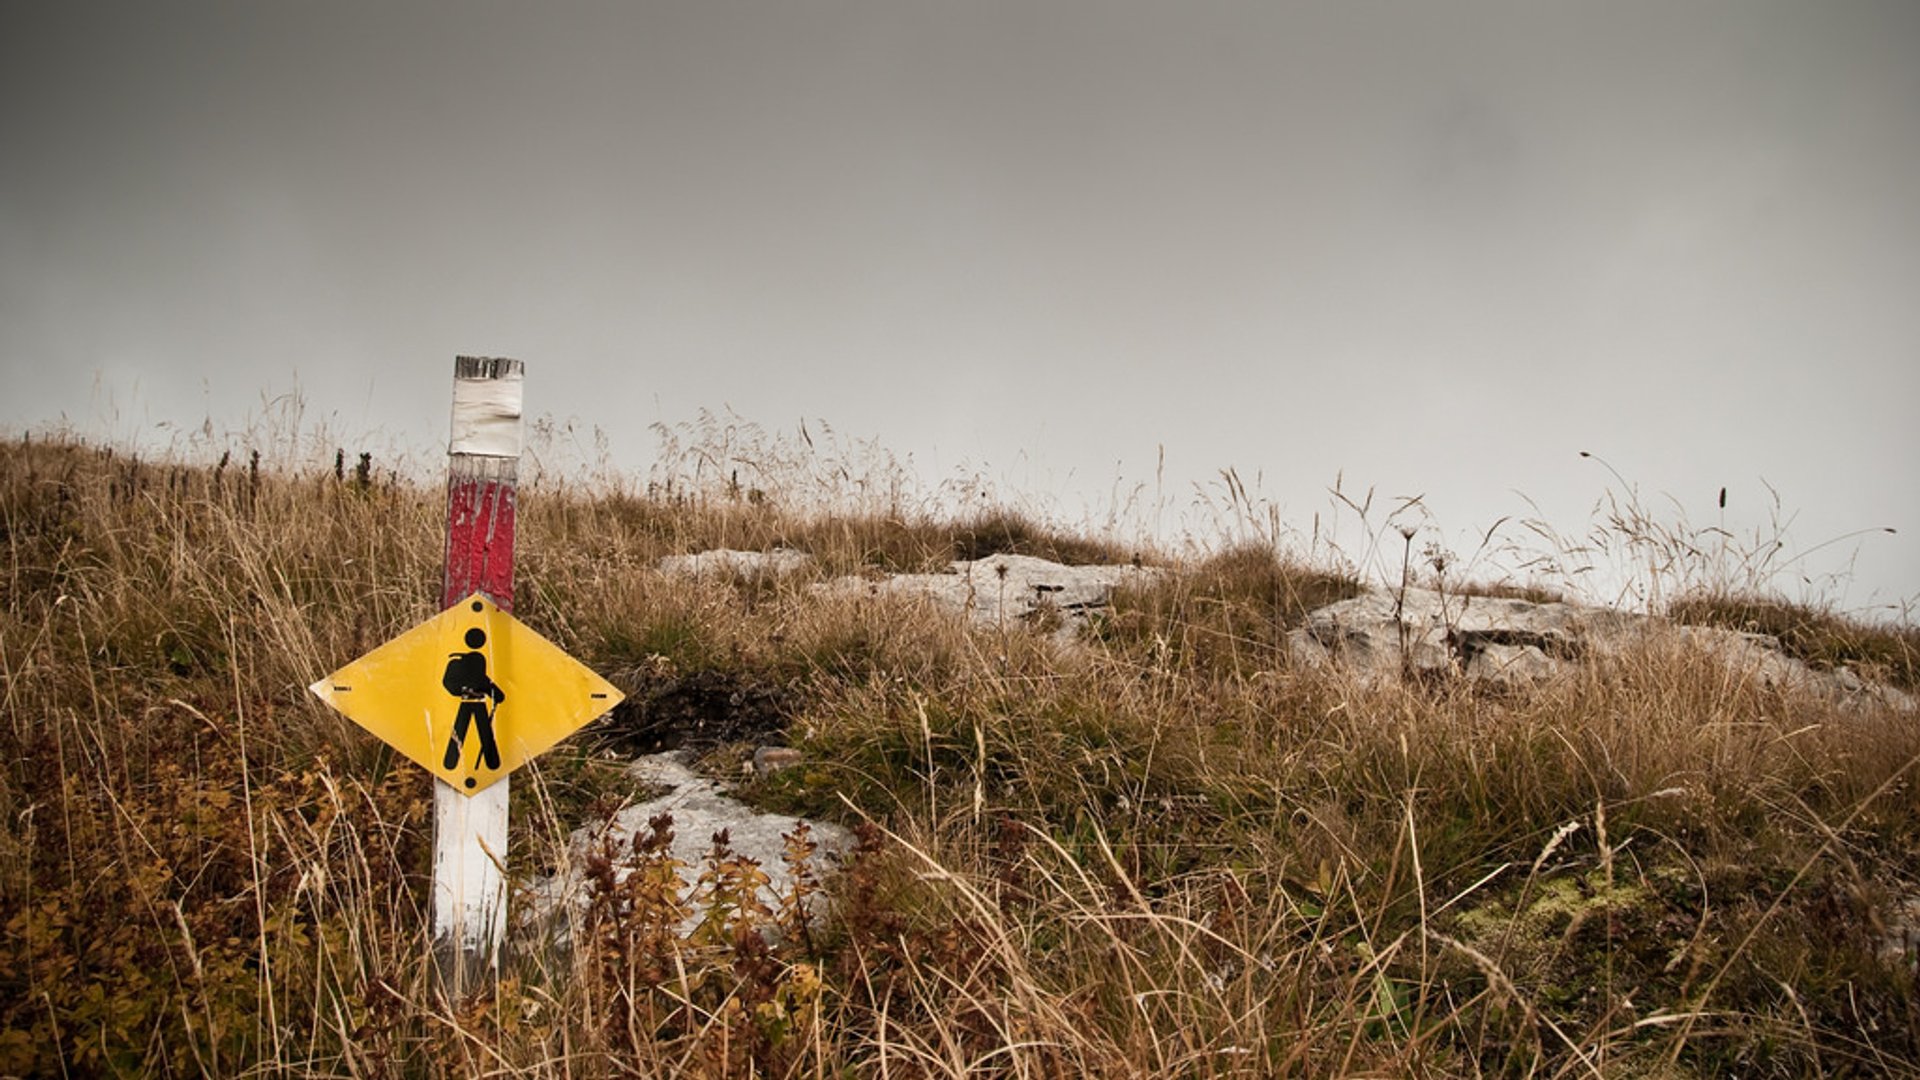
(470, 831)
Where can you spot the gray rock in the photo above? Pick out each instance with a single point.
(1900, 943)
(1518, 642)
(1426, 631)
(1511, 665)
(700, 808)
(746, 564)
(768, 760)
(1009, 590)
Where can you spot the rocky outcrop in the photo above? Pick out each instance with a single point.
(1424, 632)
(1009, 590)
(700, 808)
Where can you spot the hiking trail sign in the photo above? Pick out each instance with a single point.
(470, 695)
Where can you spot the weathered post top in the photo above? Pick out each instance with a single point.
(483, 459)
(486, 406)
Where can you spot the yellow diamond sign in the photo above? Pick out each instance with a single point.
(471, 694)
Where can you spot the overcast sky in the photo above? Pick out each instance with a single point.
(1434, 248)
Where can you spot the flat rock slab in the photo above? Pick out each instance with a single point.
(1005, 590)
(700, 808)
(746, 564)
(1506, 641)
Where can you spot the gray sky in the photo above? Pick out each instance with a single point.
(1438, 248)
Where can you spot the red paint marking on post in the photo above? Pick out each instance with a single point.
(480, 528)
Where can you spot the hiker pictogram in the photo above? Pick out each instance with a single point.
(466, 678)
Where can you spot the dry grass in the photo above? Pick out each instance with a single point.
(1170, 853)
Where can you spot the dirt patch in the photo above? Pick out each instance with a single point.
(667, 709)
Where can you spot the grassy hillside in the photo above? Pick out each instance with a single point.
(1168, 853)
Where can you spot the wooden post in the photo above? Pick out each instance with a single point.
(470, 831)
